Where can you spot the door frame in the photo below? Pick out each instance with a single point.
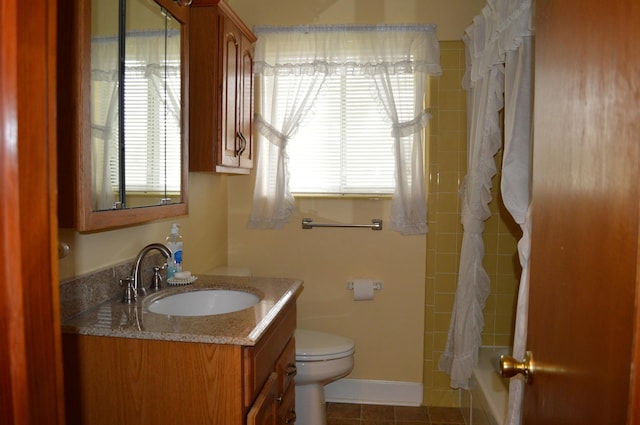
(31, 381)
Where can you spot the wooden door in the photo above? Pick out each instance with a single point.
(30, 353)
(586, 178)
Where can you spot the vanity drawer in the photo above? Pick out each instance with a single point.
(260, 360)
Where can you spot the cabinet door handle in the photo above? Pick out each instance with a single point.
(243, 143)
(291, 370)
(239, 148)
(291, 418)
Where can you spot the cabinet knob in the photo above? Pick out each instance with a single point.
(291, 418)
(291, 370)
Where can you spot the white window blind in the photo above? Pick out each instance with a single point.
(346, 146)
(153, 148)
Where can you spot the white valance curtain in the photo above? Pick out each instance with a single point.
(313, 52)
(499, 69)
(154, 56)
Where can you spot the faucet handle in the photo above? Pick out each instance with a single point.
(129, 295)
(156, 279)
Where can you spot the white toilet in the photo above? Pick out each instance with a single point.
(321, 358)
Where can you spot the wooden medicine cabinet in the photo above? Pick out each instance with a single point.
(122, 112)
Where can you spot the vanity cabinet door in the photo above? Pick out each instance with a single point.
(275, 404)
(286, 408)
(286, 371)
(272, 359)
(262, 359)
(263, 411)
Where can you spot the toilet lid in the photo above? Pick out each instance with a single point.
(316, 346)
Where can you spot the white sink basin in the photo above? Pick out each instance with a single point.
(204, 303)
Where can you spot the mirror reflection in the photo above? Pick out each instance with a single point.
(136, 154)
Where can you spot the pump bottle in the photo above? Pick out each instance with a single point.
(174, 243)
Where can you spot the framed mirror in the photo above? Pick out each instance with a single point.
(123, 159)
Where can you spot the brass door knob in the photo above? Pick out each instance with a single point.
(510, 367)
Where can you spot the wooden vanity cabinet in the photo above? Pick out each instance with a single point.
(221, 98)
(129, 381)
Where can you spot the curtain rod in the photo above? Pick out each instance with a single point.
(345, 27)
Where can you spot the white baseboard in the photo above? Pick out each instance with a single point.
(363, 391)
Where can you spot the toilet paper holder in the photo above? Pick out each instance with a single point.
(377, 285)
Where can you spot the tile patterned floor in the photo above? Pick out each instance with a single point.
(367, 414)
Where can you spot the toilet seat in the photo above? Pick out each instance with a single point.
(318, 346)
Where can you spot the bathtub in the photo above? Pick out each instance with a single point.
(486, 402)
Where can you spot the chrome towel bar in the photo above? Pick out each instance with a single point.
(307, 223)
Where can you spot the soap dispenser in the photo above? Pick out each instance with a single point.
(174, 243)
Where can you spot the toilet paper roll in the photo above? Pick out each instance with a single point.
(362, 289)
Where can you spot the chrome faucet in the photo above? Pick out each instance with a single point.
(134, 285)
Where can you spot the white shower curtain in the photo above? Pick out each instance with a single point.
(516, 189)
(484, 140)
(499, 66)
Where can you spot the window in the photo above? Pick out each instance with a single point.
(152, 117)
(346, 145)
(341, 111)
(153, 154)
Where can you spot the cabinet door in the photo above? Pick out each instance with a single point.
(263, 411)
(286, 412)
(286, 367)
(286, 370)
(245, 107)
(230, 142)
(221, 95)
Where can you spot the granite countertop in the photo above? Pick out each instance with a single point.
(116, 319)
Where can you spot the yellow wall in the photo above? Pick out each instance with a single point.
(387, 330)
(451, 16)
(204, 231)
